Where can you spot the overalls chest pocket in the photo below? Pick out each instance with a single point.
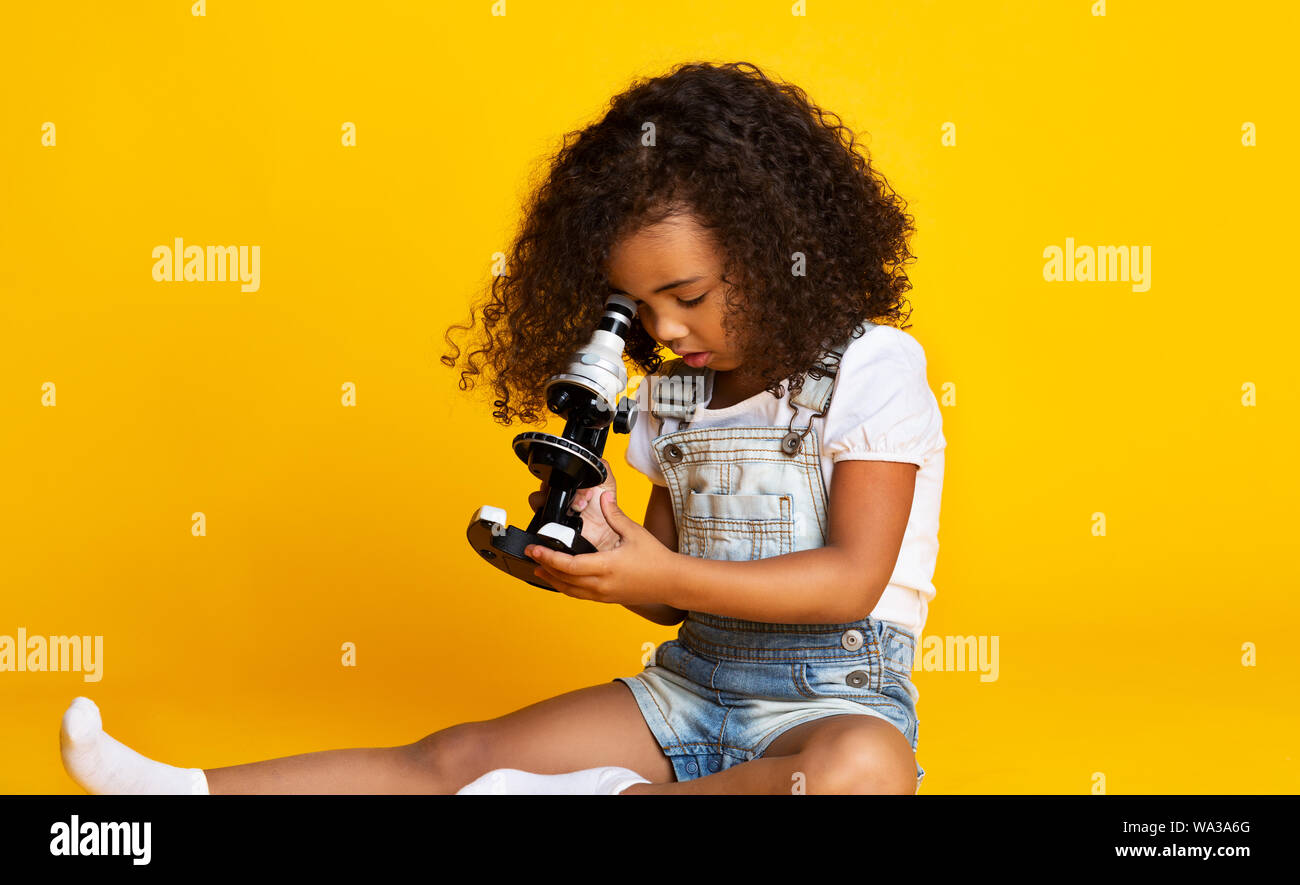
(736, 527)
(738, 496)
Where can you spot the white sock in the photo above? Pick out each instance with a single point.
(609, 780)
(103, 766)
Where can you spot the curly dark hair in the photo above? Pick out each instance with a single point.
(756, 163)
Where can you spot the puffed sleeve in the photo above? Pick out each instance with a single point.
(639, 454)
(883, 408)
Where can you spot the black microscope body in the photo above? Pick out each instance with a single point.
(587, 396)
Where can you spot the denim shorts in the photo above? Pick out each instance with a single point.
(721, 692)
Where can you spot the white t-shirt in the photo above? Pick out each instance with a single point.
(882, 410)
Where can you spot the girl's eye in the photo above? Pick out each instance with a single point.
(641, 307)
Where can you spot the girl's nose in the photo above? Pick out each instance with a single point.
(668, 330)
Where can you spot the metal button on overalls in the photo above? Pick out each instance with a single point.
(690, 766)
(857, 678)
(673, 452)
(851, 640)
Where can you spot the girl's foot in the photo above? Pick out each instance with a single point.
(101, 765)
(607, 781)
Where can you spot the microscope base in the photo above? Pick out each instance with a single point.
(502, 545)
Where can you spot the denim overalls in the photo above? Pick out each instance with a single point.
(725, 688)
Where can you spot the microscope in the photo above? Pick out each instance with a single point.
(587, 396)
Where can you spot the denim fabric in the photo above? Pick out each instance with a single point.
(725, 688)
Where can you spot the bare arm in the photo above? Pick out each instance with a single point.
(659, 522)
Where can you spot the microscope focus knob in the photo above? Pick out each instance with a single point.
(624, 416)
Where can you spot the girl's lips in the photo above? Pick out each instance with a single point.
(695, 360)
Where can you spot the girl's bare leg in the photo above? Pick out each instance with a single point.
(371, 770)
(595, 726)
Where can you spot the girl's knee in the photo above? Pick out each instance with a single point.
(857, 761)
(455, 753)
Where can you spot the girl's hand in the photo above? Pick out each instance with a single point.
(595, 528)
(636, 571)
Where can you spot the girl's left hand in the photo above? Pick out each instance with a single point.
(636, 572)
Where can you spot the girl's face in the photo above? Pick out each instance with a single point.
(673, 273)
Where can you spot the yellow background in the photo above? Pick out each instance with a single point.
(1118, 654)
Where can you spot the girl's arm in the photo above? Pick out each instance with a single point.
(659, 522)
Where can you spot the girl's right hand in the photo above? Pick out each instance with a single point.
(594, 526)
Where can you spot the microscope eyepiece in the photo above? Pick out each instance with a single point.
(619, 313)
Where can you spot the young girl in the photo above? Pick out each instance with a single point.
(795, 448)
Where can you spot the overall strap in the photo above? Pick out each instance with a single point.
(817, 390)
(675, 394)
